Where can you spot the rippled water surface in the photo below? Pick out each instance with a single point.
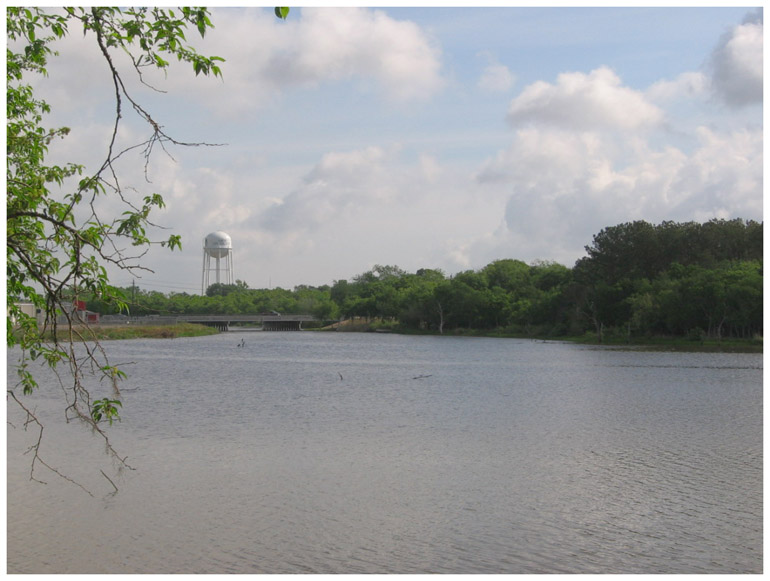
(374, 453)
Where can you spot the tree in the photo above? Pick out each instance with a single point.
(420, 308)
(627, 250)
(672, 278)
(222, 289)
(463, 301)
(58, 245)
(510, 275)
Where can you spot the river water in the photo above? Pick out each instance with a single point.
(376, 453)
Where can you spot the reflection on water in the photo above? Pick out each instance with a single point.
(366, 453)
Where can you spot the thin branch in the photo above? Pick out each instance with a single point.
(35, 448)
(87, 250)
(110, 481)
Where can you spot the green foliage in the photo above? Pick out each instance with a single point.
(674, 278)
(219, 289)
(617, 290)
(625, 287)
(58, 248)
(641, 250)
(105, 409)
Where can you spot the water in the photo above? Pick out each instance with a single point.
(375, 453)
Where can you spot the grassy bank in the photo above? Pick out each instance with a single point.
(114, 332)
(680, 344)
(118, 332)
(754, 345)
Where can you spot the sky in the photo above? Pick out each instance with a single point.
(430, 137)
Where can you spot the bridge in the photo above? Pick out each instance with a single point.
(221, 322)
(269, 322)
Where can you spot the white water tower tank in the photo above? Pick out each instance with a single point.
(218, 246)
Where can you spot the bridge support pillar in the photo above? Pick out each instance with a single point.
(282, 325)
(218, 325)
(269, 322)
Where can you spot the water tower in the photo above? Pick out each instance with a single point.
(218, 246)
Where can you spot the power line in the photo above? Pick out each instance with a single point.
(143, 282)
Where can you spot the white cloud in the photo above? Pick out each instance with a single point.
(736, 63)
(431, 168)
(373, 205)
(496, 78)
(344, 42)
(321, 45)
(339, 184)
(685, 86)
(584, 102)
(564, 187)
(307, 201)
(379, 54)
(722, 178)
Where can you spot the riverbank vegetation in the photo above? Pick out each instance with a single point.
(638, 283)
(124, 331)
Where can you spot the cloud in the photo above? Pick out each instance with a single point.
(565, 186)
(579, 101)
(344, 42)
(392, 58)
(722, 178)
(685, 86)
(495, 78)
(309, 201)
(736, 63)
(321, 45)
(340, 183)
(376, 204)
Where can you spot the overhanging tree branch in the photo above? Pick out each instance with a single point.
(52, 254)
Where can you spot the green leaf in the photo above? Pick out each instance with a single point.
(282, 13)
(174, 241)
(106, 408)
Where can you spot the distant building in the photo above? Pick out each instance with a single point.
(28, 309)
(78, 312)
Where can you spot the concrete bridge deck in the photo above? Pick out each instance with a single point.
(221, 322)
(269, 322)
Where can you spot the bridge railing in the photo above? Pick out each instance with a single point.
(226, 319)
(244, 318)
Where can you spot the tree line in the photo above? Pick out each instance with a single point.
(694, 280)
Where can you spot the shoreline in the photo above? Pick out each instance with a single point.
(126, 332)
